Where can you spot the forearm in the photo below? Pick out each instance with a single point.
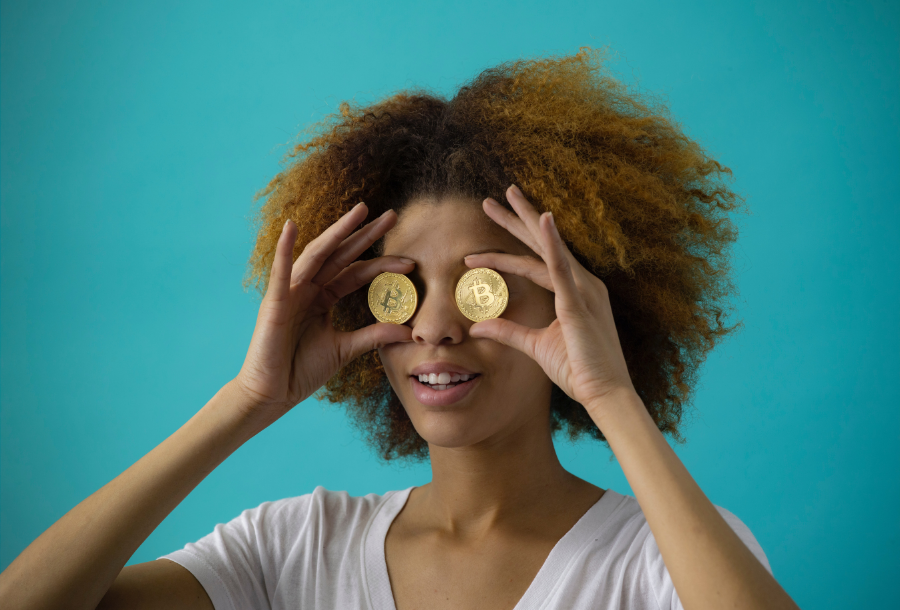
(710, 566)
(74, 562)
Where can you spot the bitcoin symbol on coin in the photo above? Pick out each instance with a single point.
(481, 294)
(388, 297)
(392, 298)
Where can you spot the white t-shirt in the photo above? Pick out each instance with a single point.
(325, 550)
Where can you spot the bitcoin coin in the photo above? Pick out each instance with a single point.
(481, 294)
(392, 298)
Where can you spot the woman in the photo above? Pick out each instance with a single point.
(619, 214)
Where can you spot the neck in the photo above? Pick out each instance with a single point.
(505, 481)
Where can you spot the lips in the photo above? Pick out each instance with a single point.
(437, 368)
(442, 398)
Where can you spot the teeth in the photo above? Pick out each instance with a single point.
(443, 380)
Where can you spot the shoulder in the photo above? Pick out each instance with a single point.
(650, 550)
(280, 546)
(649, 571)
(623, 550)
(632, 529)
(271, 532)
(275, 527)
(322, 507)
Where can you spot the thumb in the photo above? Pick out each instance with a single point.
(355, 343)
(508, 333)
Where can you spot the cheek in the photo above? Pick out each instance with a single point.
(518, 383)
(387, 359)
(534, 309)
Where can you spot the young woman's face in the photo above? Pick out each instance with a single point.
(509, 389)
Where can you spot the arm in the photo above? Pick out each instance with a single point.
(294, 350)
(710, 566)
(74, 562)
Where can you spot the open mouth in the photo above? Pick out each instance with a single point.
(455, 379)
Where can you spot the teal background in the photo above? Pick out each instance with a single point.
(135, 134)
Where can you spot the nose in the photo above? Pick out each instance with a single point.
(437, 320)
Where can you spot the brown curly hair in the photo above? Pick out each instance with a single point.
(638, 203)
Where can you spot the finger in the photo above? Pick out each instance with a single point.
(355, 343)
(560, 267)
(524, 266)
(355, 245)
(512, 223)
(525, 210)
(280, 275)
(530, 219)
(358, 274)
(508, 333)
(318, 250)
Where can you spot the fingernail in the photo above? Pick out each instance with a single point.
(408, 261)
(284, 228)
(552, 221)
(357, 205)
(515, 190)
(385, 213)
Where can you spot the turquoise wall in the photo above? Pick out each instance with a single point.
(134, 135)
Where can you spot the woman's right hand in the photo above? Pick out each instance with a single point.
(295, 348)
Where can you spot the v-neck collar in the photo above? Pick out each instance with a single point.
(377, 584)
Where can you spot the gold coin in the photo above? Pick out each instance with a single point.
(481, 294)
(392, 298)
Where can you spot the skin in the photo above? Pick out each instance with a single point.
(492, 450)
(498, 490)
(498, 496)
(579, 351)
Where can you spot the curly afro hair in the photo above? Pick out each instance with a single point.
(638, 203)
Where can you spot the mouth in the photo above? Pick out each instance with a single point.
(439, 395)
(455, 380)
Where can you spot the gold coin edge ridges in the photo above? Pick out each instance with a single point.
(471, 272)
(414, 291)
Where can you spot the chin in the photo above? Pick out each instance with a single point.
(444, 426)
(452, 439)
(455, 428)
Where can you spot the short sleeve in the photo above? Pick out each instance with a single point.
(662, 583)
(239, 562)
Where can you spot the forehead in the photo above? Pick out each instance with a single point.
(442, 231)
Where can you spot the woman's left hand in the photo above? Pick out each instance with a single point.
(580, 350)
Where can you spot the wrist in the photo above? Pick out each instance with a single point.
(237, 411)
(615, 404)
